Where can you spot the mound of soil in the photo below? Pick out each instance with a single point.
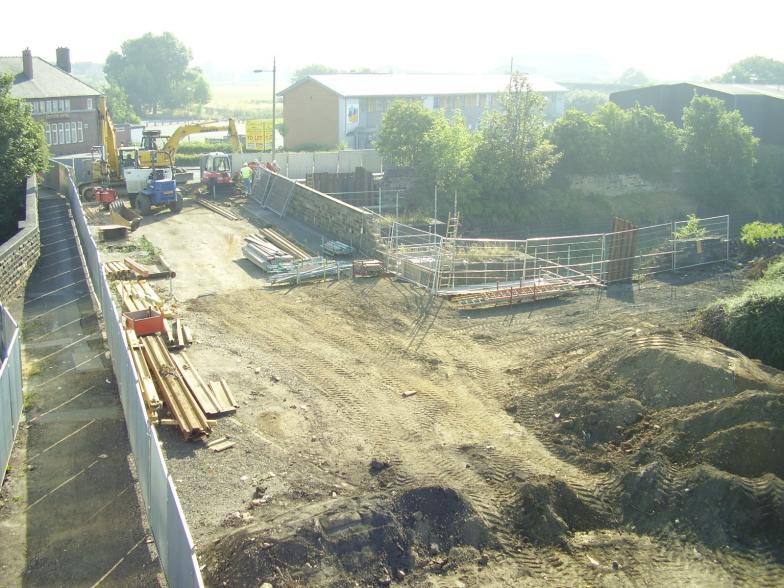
(693, 432)
(674, 369)
(547, 511)
(371, 540)
(704, 503)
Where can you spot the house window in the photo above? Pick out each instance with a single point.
(80, 130)
(470, 101)
(482, 99)
(67, 104)
(89, 104)
(61, 133)
(372, 105)
(73, 133)
(436, 101)
(48, 132)
(54, 134)
(67, 133)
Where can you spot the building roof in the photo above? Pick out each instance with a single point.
(420, 84)
(773, 91)
(48, 80)
(746, 89)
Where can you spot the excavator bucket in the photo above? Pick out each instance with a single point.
(124, 216)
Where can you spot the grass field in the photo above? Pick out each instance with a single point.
(241, 101)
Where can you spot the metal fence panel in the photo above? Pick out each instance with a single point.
(448, 264)
(165, 517)
(11, 398)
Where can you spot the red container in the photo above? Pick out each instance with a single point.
(105, 195)
(144, 322)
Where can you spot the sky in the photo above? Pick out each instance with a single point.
(667, 40)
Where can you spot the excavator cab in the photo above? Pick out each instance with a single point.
(216, 173)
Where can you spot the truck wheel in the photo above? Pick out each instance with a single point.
(143, 204)
(176, 206)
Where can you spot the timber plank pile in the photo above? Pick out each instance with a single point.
(285, 244)
(128, 269)
(224, 212)
(272, 252)
(174, 391)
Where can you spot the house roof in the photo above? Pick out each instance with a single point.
(48, 80)
(420, 84)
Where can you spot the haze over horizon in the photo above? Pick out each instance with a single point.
(573, 41)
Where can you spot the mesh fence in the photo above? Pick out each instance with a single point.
(445, 264)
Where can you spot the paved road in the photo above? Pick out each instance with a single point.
(84, 523)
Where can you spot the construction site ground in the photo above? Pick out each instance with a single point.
(589, 440)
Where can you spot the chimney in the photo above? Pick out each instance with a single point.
(64, 59)
(27, 63)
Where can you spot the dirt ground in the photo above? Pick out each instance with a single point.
(586, 441)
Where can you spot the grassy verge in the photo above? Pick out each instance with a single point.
(753, 322)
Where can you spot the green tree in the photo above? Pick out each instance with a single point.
(583, 141)
(404, 126)
(117, 102)
(22, 152)
(586, 100)
(615, 120)
(719, 152)
(447, 152)
(312, 70)
(153, 71)
(650, 144)
(513, 155)
(754, 70)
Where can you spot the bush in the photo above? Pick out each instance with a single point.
(752, 323)
(203, 147)
(752, 233)
(188, 160)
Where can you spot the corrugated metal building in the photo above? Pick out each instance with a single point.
(762, 106)
(347, 108)
(65, 105)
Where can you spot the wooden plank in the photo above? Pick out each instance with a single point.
(140, 269)
(222, 446)
(186, 331)
(183, 406)
(165, 264)
(196, 385)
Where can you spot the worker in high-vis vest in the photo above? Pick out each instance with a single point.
(247, 174)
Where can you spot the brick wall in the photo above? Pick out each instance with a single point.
(336, 219)
(19, 254)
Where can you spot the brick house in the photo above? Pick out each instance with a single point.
(65, 105)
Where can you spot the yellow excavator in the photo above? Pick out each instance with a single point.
(117, 169)
(153, 141)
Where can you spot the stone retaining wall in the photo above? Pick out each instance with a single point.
(20, 253)
(333, 217)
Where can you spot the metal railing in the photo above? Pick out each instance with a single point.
(443, 264)
(11, 398)
(164, 512)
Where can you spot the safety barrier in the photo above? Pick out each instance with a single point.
(11, 399)
(444, 264)
(164, 512)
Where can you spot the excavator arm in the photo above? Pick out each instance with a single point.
(110, 161)
(173, 143)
